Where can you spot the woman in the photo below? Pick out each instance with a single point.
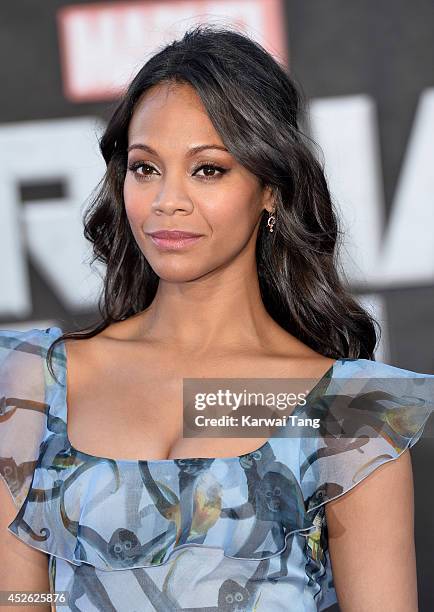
(206, 141)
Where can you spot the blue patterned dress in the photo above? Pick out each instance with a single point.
(245, 533)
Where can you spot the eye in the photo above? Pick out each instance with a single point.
(210, 167)
(135, 166)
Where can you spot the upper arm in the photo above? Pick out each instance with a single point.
(22, 567)
(22, 427)
(371, 541)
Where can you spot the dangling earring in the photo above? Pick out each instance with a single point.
(271, 221)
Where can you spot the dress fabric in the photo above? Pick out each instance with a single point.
(245, 533)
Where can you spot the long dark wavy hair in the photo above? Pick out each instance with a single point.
(256, 108)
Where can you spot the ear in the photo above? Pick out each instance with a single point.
(269, 198)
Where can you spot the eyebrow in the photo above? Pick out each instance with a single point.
(190, 153)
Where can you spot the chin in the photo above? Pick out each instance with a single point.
(179, 273)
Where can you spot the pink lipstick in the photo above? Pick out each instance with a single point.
(174, 239)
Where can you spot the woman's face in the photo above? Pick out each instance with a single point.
(170, 186)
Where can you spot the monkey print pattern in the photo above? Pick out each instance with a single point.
(16, 475)
(275, 500)
(189, 476)
(198, 506)
(86, 582)
(231, 597)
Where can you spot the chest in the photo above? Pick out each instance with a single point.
(127, 409)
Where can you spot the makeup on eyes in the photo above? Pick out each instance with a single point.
(134, 166)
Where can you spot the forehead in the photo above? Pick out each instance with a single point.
(171, 113)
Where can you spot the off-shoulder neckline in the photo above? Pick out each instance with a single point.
(330, 372)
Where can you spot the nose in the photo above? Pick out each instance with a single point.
(172, 197)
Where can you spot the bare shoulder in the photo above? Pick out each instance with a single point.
(300, 358)
(89, 348)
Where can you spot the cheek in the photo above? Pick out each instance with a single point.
(235, 215)
(135, 203)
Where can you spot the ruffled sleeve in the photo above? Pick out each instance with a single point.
(23, 408)
(372, 412)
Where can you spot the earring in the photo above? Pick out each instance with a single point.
(271, 221)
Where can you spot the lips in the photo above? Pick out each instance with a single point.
(174, 234)
(174, 240)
